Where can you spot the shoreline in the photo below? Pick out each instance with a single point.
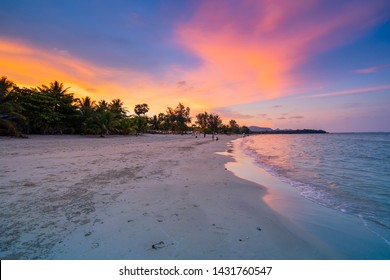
(344, 232)
(145, 197)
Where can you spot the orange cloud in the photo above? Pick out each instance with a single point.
(251, 49)
(31, 66)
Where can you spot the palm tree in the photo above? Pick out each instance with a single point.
(116, 106)
(5, 87)
(141, 119)
(154, 123)
(102, 105)
(55, 87)
(87, 107)
(141, 109)
(105, 122)
(10, 111)
(179, 117)
(105, 119)
(61, 104)
(119, 112)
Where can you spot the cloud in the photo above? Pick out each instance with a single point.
(254, 47)
(30, 66)
(371, 69)
(184, 86)
(181, 84)
(228, 113)
(351, 105)
(225, 53)
(296, 117)
(351, 91)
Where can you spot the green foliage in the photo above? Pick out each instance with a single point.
(128, 126)
(48, 109)
(178, 118)
(116, 106)
(141, 109)
(86, 107)
(11, 117)
(52, 109)
(155, 123)
(244, 129)
(209, 123)
(202, 121)
(141, 124)
(214, 122)
(140, 119)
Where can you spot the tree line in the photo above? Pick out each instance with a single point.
(52, 109)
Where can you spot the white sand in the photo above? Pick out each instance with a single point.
(74, 197)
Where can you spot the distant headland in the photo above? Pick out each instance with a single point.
(267, 130)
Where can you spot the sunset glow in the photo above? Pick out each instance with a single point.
(236, 58)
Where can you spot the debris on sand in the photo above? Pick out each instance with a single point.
(158, 245)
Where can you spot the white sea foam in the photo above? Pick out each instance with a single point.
(347, 172)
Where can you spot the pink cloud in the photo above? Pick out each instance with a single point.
(30, 66)
(371, 69)
(351, 91)
(251, 49)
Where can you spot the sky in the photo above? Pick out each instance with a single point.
(275, 63)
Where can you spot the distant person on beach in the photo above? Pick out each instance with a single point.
(204, 135)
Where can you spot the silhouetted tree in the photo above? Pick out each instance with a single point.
(52, 109)
(86, 107)
(61, 106)
(202, 120)
(141, 109)
(234, 127)
(154, 123)
(141, 120)
(11, 117)
(244, 129)
(179, 117)
(104, 119)
(214, 122)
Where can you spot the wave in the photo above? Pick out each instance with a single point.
(342, 173)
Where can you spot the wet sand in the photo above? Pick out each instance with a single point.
(345, 233)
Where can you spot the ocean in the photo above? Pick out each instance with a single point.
(349, 172)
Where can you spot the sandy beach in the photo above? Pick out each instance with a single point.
(146, 197)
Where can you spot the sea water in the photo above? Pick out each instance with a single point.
(349, 172)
